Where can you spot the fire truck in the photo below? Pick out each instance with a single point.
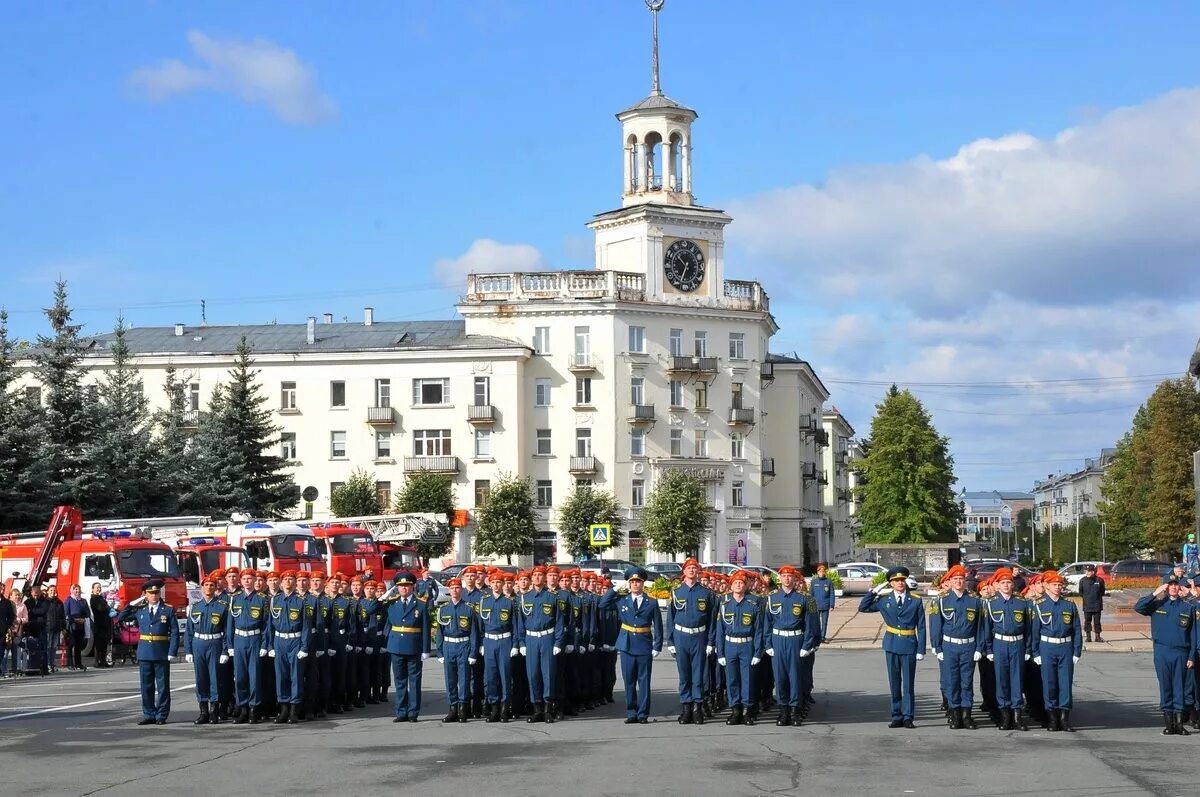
(396, 537)
(71, 552)
(258, 544)
(349, 549)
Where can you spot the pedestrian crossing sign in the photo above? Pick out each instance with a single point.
(600, 535)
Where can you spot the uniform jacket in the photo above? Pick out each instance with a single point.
(539, 610)
(908, 618)
(206, 617)
(1091, 589)
(158, 629)
(958, 617)
(287, 616)
(743, 618)
(408, 626)
(822, 592)
(1056, 619)
(692, 607)
(790, 611)
(641, 629)
(496, 614)
(1172, 622)
(1012, 617)
(247, 612)
(458, 621)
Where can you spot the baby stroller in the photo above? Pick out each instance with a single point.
(125, 641)
(31, 656)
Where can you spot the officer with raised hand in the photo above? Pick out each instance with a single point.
(691, 637)
(1057, 646)
(457, 642)
(1173, 634)
(638, 641)
(158, 643)
(204, 647)
(956, 639)
(740, 624)
(497, 648)
(903, 640)
(289, 634)
(408, 625)
(1008, 646)
(789, 636)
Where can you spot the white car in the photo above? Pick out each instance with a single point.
(866, 567)
(1073, 572)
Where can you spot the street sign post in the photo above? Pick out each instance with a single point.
(600, 535)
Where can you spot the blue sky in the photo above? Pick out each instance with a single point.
(947, 194)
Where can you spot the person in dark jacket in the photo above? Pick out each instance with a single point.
(77, 612)
(8, 622)
(56, 625)
(1091, 589)
(102, 628)
(38, 605)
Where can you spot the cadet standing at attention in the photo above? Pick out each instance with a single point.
(1057, 646)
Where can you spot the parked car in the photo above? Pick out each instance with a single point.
(665, 569)
(724, 568)
(858, 580)
(763, 570)
(867, 567)
(1139, 568)
(1075, 571)
(987, 568)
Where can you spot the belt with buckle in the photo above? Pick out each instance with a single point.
(691, 630)
(900, 631)
(252, 632)
(738, 639)
(956, 641)
(633, 629)
(153, 638)
(288, 635)
(505, 635)
(1007, 638)
(1054, 640)
(782, 632)
(208, 636)
(404, 629)
(456, 639)
(547, 632)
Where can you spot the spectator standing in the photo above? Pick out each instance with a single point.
(77, 613)
(21, 619)
(1091, 589)
(8, 619)
(56, 624)
(37, 606)
(102, 627)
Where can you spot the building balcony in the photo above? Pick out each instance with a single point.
(642, 413)
(766, 372)
(190, 419)
(381, 416)
(843, 495)
(481, 414)
(746, 295)
(686, 364)
(768, 466)
(822, 477)
(561, 285)
(583, 465)
(809, 471)
(432, 464)
(822, 437)
(741, 416)
(582, 363)
(808, 423)
(737, 512)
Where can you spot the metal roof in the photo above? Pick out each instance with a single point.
(657, 102)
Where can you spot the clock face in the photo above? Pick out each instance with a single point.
(684, 265)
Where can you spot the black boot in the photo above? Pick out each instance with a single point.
(539, 713)
(785, 716)
(736, 717)
(968, 721)
(699, 714)
(507, 713)
(956, 719)
(214, 714)
(242, 716)
(452, 714)
(292, 711)
(945, 704)
(1019, 719)
(281, 718)
(1168, 724)
(256, 715)
(1006, 719)
(552, 714)
(1054, 719)
(1064, 720)
(1180, 728)
(685, 714)
(203, 718)
(797, 717)
(463, 716)
(750, 717)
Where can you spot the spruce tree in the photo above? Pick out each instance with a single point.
(505, 525)
(676, 514)
(24, 473)
(584, 507)
(173, 468)
(428, 492)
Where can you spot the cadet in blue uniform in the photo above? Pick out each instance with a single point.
(308, 587)
(540, 629)
(408, 645)
(822, 591)
(903, 640)
(955, 634)
(157, 645)
(457, 641)
(1008, 646)
(740, 624)
(789, 636)
(342, 633)
(245, 642)
(472, 581)
(638, 642)
(1174, 638)
(288, 632)
(328, 700)
(1057, 646)
(691, 637)
(497, 623)
(204, 647)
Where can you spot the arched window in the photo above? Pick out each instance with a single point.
(676, 170)
(631, 152)
(654, 161)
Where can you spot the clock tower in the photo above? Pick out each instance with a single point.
(659, 231)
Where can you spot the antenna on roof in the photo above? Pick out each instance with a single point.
(203, 314)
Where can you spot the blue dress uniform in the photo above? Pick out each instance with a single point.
(408, 645)
(1174, 636)
(691, 633)
(639, 640)
(371, 612)
(204, 641)
(903, 641)
(608, 629)
(157, 645)
(540, 630)
(497, 623)
(353, 654)
(326, 665)
(341, 641)
(740, 626)
(310, 670)
(245, 638)
(288, 632)
(1008, 645)
(822, 591)
(457, 641)
(573, 674)
(956, 636)
(1058, 641)
(475, 685)
(788, 632)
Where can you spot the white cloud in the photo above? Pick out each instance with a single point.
(259, 72)
(485, 255)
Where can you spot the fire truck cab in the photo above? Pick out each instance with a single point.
(350, 550)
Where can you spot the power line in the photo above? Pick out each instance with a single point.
(1008, 384)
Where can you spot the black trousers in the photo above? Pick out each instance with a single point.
(1091, 622)
(77, 642)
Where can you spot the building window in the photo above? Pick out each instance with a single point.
(737, 345)
(337, 394)
(541, 393)
(637, 340)
(739, 494)
(431, 443)
(583, 345)
(287, 445)
(701, 344)
(483, 488)
(736, 395)
(428, 392)
(543, 442)
(677, 442)
(583, 390)
(676, 342)
(737, 446)
(701, 396)
(583, 442)
(334, 487)
(637, 442)
(384, 491)
(545, 493)
(541, 340)
(637, 391)
(637, 494)
(287, 395)
(676, 393)
(701, 443)
(584, 482)
(483, 391)
(483, 443)
(193, 402)
(383, 392)
(383, 445)
(337, 445)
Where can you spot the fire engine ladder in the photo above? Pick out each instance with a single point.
(427, 527)
(65, 524)
(149, 523)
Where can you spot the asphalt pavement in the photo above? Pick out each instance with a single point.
(74, 734)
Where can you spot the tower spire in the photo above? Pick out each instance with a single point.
(655, 6)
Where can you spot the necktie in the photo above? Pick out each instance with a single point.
(637, 603)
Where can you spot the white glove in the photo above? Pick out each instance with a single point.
(941, 656)
(672, 649)
(920, 656)
(370, 651)
(710, 650)
(471, 660)
(721, 661)
(271, 653)
(1026, 657)
(188, 658)
(349, 648)
(591, 648)
(580, 650)
(441, 660)
(977, 656)
(771, 652)
(570, 649)
(320, 653)
(608, 648)
(424, 656)
(302, 654)
(1037, 660)
(331, 652)
(1074, 659)
(522, 649)
(231, 651)
(481, 650)
(991, 657)
(805, 653)
(654, 654)
(223, 659)
(755, 660)
(882, 588)
(557, 650)
(512, 653)
(357, 649)
(262, 652)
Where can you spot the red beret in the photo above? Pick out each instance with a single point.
(553, 569)
(1003, 574)
(272, 574)
(454, 582)
(954, 572)
(787, 570)
(1052, 577)
(690, 563)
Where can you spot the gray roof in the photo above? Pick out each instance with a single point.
(657, 102)
(292, 338)
(1003, 495)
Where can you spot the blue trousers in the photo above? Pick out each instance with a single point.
(785, 665)
(539, 666)
(206, 653)
(635, 672)
(406, 672)
(1170, 664)
(497, 676)
(806, 674)
(457, 670)
(824, 614)
(739, 674)
(902, 670)
(958, 674)
(691, 653)
(1057, 673)
(1009, 666)
(288, 679)
(246, 687)
(155, 677)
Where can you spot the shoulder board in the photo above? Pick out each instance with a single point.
(932, 609)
